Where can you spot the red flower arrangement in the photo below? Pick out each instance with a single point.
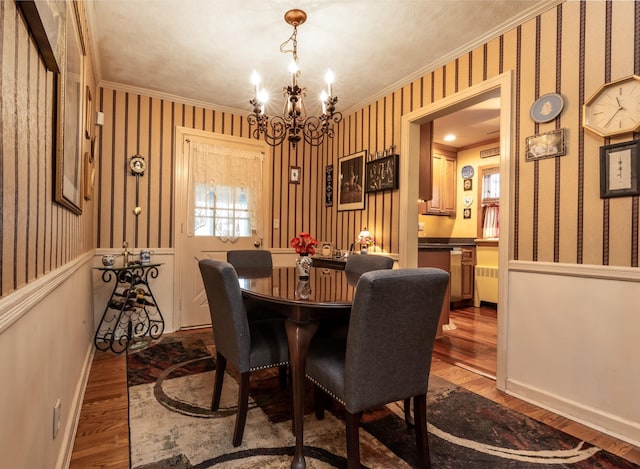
(304, 243)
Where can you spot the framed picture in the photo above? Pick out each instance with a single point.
(69, 118)
(382, 173)
(89, 176)
(88, 112)
(294, 174)
(467, 184)
(619, 169)
(546, 145)
(328, 186)
(351, 181)
(46, 20)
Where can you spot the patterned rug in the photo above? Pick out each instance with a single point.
(172, 426)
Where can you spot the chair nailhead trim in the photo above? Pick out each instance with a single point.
(326, 390)
(264, 367)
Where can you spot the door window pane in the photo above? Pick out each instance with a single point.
(220, 212)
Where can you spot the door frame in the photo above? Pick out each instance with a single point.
(410, 170)
(180, 178)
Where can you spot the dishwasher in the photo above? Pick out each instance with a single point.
(455, 269)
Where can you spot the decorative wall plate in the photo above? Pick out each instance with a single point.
(547, 107)
(467, 172)
(468, 200)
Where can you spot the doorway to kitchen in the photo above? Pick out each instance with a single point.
(471, 136)
(411, 131)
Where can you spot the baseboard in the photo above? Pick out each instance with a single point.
(608, 424)
(66, 449)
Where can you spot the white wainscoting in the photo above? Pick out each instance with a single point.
(47, 349)
(572, 343)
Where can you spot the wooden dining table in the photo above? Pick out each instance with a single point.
(326, 294)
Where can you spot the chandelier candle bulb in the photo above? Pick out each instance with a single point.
(255, 79)
(329, 77)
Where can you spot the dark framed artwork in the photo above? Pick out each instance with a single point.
(619, 169)
(467, 184)
(351, 181)
(382, 173)
(88, 113)
(46, 20)
(328, 186)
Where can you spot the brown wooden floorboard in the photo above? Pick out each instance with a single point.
(102, 438)
(472, 343)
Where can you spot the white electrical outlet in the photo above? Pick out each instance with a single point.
(276, 224)
(56, 418)
(420, 226)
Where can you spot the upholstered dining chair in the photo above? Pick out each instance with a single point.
(246, 346)
(250, 260)
(253, 263)
(386, 355)
(355, 266)
(360, 263)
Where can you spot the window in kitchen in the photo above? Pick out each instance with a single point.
(490, 202)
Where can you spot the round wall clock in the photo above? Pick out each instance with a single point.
(547, 107)
(137, 164)
(615, 108)
(466, 172)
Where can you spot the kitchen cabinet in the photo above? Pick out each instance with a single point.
(439, 258)
(467, 273)
(443, 194)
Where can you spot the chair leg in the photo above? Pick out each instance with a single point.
(422, 441)
(318, 402)
(221, 366)
(407, 413)
(243, 406)
(282, 375)
(352, 422)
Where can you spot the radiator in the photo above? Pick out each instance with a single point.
(485, 284)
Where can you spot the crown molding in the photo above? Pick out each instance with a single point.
(526, 15)
(170, 97)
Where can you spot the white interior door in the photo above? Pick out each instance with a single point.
(222, 196)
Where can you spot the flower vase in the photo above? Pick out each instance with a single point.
(363, 249)
(303, 266)
(303, 289)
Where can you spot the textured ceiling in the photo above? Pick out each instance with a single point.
(205, 50)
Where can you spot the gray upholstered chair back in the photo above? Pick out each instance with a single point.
(358, 264)
(391, 335)
(228, 315)
(250, 259)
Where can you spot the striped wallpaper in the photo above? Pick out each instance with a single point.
(37, 235)
(557, 213)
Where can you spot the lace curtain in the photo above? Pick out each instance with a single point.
(228, 177)
(490, 222)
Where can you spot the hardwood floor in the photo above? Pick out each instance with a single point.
(102, 438)
(472, 343)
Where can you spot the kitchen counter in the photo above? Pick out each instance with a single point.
(444, 244)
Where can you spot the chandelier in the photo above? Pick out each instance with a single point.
(294, 124)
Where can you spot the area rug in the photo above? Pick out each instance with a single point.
(172, 426)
